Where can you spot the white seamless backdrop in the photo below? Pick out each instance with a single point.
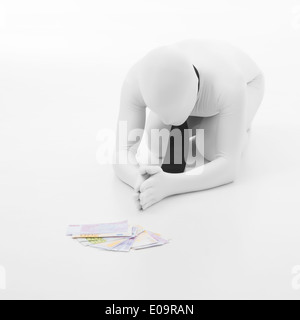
(62, 64)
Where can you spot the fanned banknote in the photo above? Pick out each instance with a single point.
(89, 242)
(118, 237)
(124, 246)
(148, 239)
(144, 240)
(105, 230)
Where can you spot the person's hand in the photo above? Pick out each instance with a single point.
(155, 188)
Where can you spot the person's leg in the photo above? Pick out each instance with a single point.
(209, 126)
(255, 94)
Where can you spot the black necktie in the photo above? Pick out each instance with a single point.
(175, 160)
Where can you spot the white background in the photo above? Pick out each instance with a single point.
(62, 64)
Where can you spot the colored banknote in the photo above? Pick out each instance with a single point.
(118, 237)
(119, 229)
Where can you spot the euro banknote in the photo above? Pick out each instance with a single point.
(119, 229)
(118, 237)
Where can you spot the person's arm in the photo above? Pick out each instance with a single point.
(221, 171)
(131, 124)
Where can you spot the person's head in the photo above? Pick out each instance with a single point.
(169, 85)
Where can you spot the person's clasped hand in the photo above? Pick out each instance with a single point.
(152, 186)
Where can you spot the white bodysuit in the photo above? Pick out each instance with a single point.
(231, 91)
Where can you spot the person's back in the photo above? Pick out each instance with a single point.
(220, 52)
